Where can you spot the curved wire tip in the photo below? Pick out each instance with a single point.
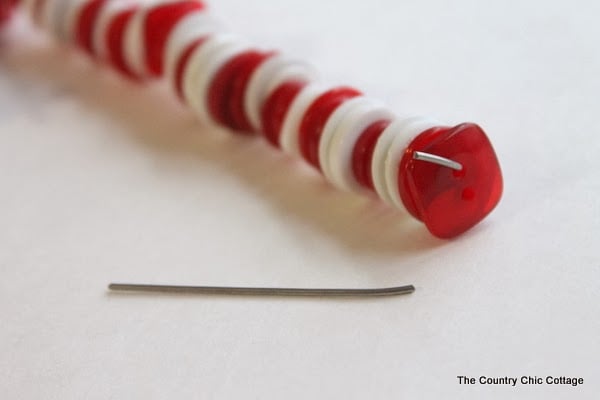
(432, 158)
(261, 291)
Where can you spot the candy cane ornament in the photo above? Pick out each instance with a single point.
(447, 177)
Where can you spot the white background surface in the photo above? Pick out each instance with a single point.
(102, 180)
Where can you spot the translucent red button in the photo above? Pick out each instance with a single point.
(448, 201)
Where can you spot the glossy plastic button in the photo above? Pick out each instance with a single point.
(448, 201)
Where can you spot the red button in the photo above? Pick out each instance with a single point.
(114, 39)
(159, 22)
(448, 201)
(182, 63)
(6, 10)
(227, 89)
(362, 154)
(315, 118)
(275, 108)
(86, 23)
(238, 120)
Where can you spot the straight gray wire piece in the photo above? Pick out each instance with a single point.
(261, 291)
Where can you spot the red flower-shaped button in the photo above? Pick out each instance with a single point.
(451, 201)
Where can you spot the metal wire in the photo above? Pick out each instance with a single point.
(261, 291)
(432, 158)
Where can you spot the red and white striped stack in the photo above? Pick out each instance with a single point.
(356, 142)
